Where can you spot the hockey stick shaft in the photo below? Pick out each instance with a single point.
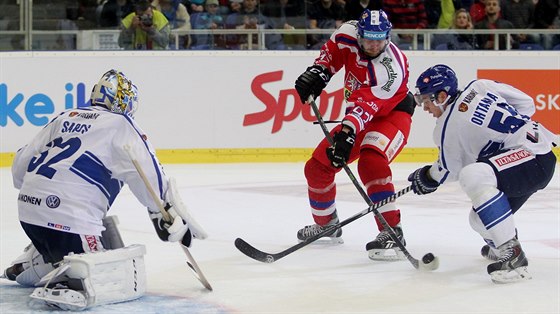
(261, 256)
(364, 195)
(167, 218)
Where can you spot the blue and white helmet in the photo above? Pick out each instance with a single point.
(435, 79)
(374, 25)
(115, 92)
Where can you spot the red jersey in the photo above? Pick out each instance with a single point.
(372, 86)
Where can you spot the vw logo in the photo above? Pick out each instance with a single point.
(52, 201)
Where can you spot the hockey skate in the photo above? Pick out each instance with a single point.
(490, 253)
(487, 252)
(313, 230)
(383, 248)
(512, 264)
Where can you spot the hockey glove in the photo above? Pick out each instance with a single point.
(421, 181)
(312, 82)
(339, 152)
(174, 231)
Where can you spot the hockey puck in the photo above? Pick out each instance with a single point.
(428, 258)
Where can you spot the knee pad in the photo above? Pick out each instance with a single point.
(479, 182)
(34, 267)
(317, 174)
(104, 277)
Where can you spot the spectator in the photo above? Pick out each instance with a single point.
(493, 21)
(178, 18)
(433, 12)
(249, 17)
(447, 15)
(323, 14)
(454, 41)
(355, 8)
(234, 6)
(406, 14)
(144, 29)
(477, 11)
(521, 14)
(112, 12)
(210, 19)
(287, 14)
(194, 6)
(547, 16)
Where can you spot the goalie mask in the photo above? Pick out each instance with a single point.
(115, 92)
(433, 81)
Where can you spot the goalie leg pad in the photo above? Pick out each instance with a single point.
(105, 277)
(111, 237)
(28, 268)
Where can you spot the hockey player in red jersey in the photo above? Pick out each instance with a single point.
(375, 127)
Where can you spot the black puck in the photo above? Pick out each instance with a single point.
(428, 258)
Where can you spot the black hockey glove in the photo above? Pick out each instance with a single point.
(175, 231)
(339, 152)
(421, 181)
(312, 82)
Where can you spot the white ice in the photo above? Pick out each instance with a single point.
(265, 204)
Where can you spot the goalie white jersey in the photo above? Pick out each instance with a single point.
(70, 173)
(486, 117)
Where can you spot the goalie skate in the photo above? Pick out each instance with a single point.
(512, 265)
(307, 232)
(61, 298)
(383, 248)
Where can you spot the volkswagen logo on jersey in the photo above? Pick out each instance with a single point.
(52, 201)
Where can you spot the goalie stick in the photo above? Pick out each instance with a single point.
(261, 256)
(193, 265)
(429, 261)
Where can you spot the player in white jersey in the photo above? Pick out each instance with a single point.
(501, 157)
(71, 172)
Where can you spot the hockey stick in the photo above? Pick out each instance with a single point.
(193, 265)
(429, 261)
(261, 256)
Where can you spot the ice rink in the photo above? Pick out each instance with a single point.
(266, 203)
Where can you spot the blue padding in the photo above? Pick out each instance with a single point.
(494, 211)
(320, 205)
(379, 196)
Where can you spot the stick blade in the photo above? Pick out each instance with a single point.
(252, 252)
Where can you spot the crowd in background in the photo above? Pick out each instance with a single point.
(184, 15)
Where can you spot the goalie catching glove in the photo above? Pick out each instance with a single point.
(339, 152)
(183, 227)
(421, 181)
(312, 82)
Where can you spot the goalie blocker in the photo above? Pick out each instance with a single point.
(92, 279)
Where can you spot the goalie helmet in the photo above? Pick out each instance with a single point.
(374, 25)
(434, 80)
(115, 92)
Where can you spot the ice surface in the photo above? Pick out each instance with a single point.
(265, 204)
